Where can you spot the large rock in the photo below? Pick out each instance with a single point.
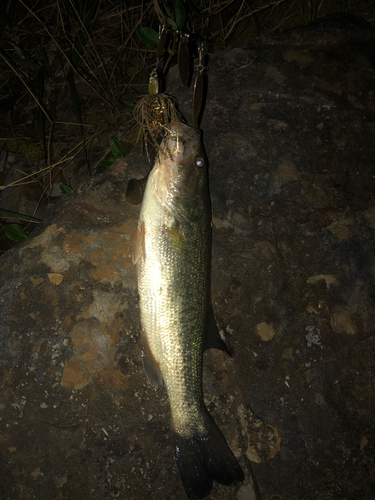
(289, 132)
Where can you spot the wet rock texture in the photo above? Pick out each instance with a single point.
(289, 131)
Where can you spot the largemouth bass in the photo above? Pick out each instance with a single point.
(173, 252)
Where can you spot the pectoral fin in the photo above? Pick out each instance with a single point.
(139, 243)
(213, 339)
(150, 365)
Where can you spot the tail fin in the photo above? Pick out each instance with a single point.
(201, 459)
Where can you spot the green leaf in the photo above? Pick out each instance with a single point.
(149, 36)
(117, 148)
(14, 232)
(126, 105)
(65, 189)
(179, 14)
(107, 163)
(171, 22)
(131, 70)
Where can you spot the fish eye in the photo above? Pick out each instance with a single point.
(199, 162)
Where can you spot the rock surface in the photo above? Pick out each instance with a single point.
(289, 131)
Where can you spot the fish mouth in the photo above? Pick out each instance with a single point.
(186, 140)
(184, 154)
(174, 169)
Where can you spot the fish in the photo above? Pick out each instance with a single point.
(172, 253)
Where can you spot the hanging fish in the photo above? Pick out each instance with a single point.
(172, 253)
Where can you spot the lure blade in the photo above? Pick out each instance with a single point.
(198, 98)
(162, 42)
(184, 59)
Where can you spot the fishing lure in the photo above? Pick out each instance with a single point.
(155, 113)
(199, 88)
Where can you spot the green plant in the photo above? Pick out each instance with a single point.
(14, 232)
(58, 59)
(65, 189)
(173, 24)
(117, 150)
(8, 214)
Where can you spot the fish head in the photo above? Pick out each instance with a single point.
(180, 173)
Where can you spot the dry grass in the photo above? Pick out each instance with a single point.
(49, 51)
